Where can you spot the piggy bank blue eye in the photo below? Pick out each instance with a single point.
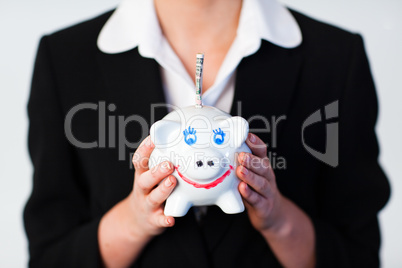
(219, 136)
(189, 136)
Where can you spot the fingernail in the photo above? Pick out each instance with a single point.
(168, 182)
(251, 137)
(149, 142)
(246, 158)
(244, 170)
(168, 221)
(166, 167)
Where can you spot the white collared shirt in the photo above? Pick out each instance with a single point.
(135, 24)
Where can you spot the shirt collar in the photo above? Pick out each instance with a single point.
(134, 23)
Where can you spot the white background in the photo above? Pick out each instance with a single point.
(22, 22)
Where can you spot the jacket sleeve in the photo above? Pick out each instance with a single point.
(351, 195)
(58, 222)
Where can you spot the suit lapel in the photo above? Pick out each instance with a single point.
(265, 84)
(133, 83)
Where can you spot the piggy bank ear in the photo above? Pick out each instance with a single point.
(165, 133)
(238, 129)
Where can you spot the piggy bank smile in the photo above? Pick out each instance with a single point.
(209, 185)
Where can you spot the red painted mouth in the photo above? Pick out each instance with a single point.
(206, 185)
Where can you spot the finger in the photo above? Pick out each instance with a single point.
(257, 182)
(153, 177)
(250, 196)
(164, 221)
(260, 166)
(159, 195)
(141, 155)
(256, 145)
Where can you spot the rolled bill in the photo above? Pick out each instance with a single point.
(198, 79)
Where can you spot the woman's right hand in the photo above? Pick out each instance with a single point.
(126, 228)
(151, 189)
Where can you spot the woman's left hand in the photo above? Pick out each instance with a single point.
(258, 187)
(287, 229)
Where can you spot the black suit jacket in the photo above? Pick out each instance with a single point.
(74, 187)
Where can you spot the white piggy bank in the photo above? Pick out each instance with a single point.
(203, 144)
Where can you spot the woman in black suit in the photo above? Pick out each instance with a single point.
(85, 210)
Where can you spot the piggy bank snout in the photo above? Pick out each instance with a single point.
(200, 163)
(204, 164)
